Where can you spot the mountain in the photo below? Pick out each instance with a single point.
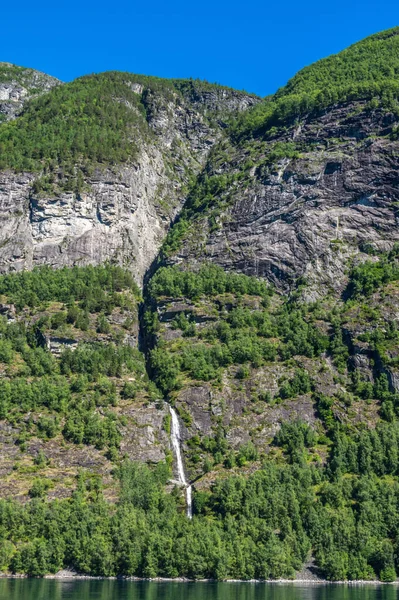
(98, 168)
(177, 248)
(307, 179)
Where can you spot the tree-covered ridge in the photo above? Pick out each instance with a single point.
(95, 119)
(375, 58)
(368, 70)
(192, 88)
(92, 119)
(209, 280)
(270, 144)
(92, 286)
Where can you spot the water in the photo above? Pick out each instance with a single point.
(176, 443)
(46, 589)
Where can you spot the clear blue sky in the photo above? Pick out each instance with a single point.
(255, 45)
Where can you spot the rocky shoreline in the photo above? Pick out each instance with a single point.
(68, 575)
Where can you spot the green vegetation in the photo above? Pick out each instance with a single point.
(95, 288)
(371, 275)
(205, 193)
(230, 332)
(209, 280)
(242, 334)
(368, 70)
(72, 394)
(91, 120)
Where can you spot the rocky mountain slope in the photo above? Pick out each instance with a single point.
(307, 202)
(306, 180)
(108, 171)
(263, 236)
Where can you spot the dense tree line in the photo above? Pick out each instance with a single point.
(262, 526)
(96, 288)
(210, 280)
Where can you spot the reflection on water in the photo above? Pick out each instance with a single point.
(42, 589)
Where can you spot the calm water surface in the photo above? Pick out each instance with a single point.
(12, 589)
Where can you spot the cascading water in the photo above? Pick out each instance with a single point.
(176, 443)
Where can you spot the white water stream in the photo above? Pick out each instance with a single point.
(176, 443)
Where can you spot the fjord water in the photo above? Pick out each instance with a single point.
(46, 589)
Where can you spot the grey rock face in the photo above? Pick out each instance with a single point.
(308, 215)
(115, 219)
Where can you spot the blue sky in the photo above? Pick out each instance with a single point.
(248, 44)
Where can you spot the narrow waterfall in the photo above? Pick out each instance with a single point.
(176, 443)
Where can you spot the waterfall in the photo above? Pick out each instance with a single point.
(176, 443)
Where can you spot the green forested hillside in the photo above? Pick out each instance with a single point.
(227, 329)
(261, 526)
(64, 366)
(331, 490)
(368, 70)
(92, 119)
(96, 119)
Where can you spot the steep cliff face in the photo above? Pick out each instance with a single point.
(18, 85)
(117, 212)
(304, 203)
(117, 217)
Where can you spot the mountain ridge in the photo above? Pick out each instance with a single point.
(107, 160)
